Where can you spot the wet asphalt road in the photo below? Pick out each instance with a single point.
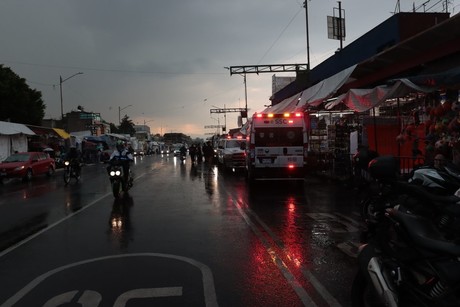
(184, 236)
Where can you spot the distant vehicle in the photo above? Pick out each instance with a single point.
(26, 165)
(176, 152)
(277, 146)
(139, 152)
(165, 150)
(230, 153)
(176, 149)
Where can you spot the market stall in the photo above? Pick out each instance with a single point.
(13, 137)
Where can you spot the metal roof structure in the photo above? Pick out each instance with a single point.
(432, 51)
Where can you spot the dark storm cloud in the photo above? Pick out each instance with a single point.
(166, 58)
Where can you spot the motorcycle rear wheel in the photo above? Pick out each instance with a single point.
(116, 188)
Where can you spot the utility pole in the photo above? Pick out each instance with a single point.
(305, 4)
(340, 25)
(119, 112)
(245, 98)
(60, 90)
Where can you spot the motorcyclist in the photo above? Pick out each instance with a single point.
(183, 151)
(130, 148)
(208, 152)
(74, 157)
(199, 153)
(122, 155)
(192, 150)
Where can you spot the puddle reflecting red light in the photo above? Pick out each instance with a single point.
(292, 235)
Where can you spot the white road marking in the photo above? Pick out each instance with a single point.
(290, 278)
(88, 299)
(147, 293)
(13, 247)
(210, 296)
(306, 273)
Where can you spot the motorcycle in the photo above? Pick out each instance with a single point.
(428, 192)
(117, 178)
(407, 263)
(411, 251)
(71, 170)
(444, 181)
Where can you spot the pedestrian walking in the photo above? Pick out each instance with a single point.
(192, 152)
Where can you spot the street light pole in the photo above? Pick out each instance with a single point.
(60, 89)
(119, 112)
(246, 97)
(308, 36)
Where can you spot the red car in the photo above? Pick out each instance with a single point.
(25, 165)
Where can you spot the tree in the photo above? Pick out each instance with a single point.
(126, 126)
(113, 128)
(18, 102)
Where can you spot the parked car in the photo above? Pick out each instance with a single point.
(229, 153)
(26, 165)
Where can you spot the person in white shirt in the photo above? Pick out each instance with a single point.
(122, 155)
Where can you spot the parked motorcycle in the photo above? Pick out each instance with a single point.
(408, 262)
(117, 178)
(71, 170)
(411, 255)
(445, 181)
(428, 192)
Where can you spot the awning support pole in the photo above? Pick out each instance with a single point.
(375, 130)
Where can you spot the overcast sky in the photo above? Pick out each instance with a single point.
(166, 58)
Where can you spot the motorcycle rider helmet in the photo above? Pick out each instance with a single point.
(120, 145)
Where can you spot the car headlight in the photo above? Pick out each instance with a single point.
(19, 168)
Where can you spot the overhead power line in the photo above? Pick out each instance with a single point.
(111, 70)
(279, 36)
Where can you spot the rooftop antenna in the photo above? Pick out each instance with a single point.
(398, 7)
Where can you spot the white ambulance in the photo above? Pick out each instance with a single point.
(276, 146)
